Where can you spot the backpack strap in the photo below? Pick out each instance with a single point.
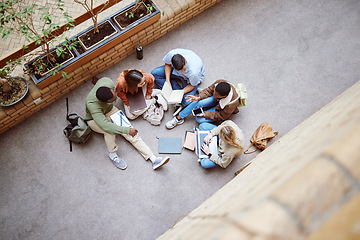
(71, 120)
(247, 152)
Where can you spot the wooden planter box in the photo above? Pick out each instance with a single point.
(87, 48)
(102, 47)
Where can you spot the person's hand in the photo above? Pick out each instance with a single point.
(148, 97)
(208, 139)
(201, 115)
(128, 106)
(205, 149)
(192, 98)
(133, 132)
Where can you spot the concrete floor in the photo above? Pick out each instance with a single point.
(293, 56)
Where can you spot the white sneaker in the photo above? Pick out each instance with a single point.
(159, 162)
(117, 161)
(173, 123)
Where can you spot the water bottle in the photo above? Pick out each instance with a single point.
(139, 52)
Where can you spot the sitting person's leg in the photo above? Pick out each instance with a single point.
(185, 101)
(110, 141)
(203, 103)
(159, 75)
(207, 163)
(179, 119)
(206, 126)
(109, 138)
(201, 120)
(145, 151)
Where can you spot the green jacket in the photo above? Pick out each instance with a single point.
(96, 109)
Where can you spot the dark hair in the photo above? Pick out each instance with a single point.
(133, 78)
(223, 88)
(104, 94)
(178, 61)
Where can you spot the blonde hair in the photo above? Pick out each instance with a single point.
(228, 135)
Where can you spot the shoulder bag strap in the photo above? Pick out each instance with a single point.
(246, 150)
(67, 118)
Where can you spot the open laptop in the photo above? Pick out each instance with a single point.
(137, 100)
(199, 140)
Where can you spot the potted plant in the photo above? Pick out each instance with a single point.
(140, 9)
(19, 16)
(12, 89)
(100, 32)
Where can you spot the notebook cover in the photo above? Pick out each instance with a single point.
(189, 142)
(170, 145)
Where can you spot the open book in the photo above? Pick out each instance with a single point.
(171, 96)
(120, 119)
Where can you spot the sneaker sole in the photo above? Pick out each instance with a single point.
(165, 161)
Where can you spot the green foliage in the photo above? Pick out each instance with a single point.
(10, 66)
(36, 23)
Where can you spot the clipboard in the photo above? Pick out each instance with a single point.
(120, 119)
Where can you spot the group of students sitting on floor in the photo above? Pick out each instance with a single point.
(183, 70)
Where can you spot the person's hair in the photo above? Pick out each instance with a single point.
(228, 135)
(104, 94)
(133, 78)
(223, 88)
(178, 61)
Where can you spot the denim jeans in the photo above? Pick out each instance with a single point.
(206, 162)
(159, 75)
(210, 103)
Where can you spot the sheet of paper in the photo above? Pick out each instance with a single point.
(120, 119)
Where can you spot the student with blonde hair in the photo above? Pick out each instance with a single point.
(230, 144)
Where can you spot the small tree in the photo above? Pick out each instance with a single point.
(19, 16)
(90, 10)
(5, 73)
(150, 7)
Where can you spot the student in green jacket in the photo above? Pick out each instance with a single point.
(99, 107)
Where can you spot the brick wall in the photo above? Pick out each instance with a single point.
(305, 184)
(176, 12)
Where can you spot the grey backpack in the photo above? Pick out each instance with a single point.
(77, 131)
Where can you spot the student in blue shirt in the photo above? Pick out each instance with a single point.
(183, 69)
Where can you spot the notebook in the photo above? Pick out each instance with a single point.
(120, 119)
(189, 142)
(170, 145)
(137, 100)
(199, 140)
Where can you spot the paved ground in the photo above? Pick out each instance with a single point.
(294, 57)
